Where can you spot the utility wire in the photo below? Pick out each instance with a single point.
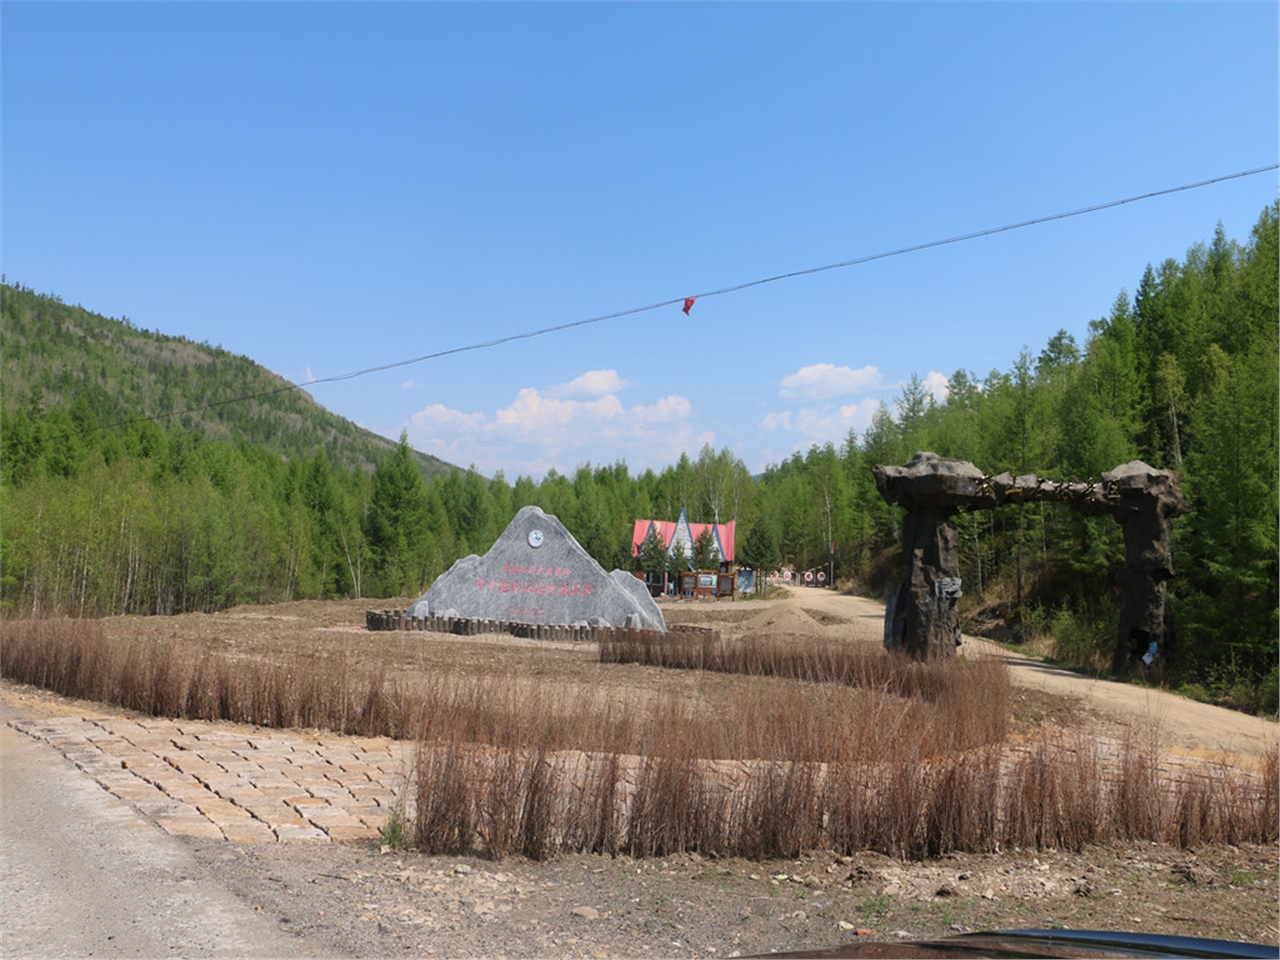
(530, 334)
(985, 233)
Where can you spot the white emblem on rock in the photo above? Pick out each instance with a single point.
(535, 538)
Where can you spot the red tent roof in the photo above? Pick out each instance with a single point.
(723, 532)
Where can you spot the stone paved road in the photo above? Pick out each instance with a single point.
(83, 874)
(240, 783)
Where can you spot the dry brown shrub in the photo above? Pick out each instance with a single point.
(1136, 798)
(815, 745)
(962, 811)
(447, 807)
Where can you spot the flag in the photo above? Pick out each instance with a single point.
(688, 304)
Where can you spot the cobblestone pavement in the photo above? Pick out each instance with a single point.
(243, 784)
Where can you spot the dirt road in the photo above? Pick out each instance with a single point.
(1183, 726)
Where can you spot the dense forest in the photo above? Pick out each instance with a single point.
(158, 517)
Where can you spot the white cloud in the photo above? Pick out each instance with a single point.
(776, 421)
(821, 424)
(542, 428)
(665, 410)
(593, 383)
(859, 415)
(822, 381)
(438, 415)
(938, 385)
(531, 411)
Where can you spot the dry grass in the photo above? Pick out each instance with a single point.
(810, 746)
(964, 704)
(77, 658)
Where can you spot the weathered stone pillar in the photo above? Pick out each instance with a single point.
(1144, 502)
(921, 619)
(930, 545)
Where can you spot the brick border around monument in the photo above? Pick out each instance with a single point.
(378, 620)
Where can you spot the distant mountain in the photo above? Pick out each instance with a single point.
(51, 352)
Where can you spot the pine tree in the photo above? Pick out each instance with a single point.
(395, 527)
(652, 556)
(706, 555)
(760, 548)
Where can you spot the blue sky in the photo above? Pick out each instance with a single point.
(330, 187)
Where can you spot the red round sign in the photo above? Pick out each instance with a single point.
(808, 576)
(821, 575)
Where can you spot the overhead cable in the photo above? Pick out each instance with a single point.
(688, 299)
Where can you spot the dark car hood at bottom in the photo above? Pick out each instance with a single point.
(1046, 943)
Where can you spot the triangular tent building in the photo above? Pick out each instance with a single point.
(685, 534)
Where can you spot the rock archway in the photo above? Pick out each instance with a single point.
(921, 616)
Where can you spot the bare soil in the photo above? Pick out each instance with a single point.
(369, 902)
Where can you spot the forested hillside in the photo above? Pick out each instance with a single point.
(56, 356)
(152, 518)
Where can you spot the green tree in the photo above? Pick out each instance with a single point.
(1232, 533)
(652, 556)
(706, 555)
(1170, 401)
(723, 483)
(760, 548)
(395, 526)
(913, 404)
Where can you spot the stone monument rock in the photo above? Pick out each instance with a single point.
(536, 572)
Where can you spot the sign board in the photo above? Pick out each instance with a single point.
(707, 580)
(822, 575)
(808, 576)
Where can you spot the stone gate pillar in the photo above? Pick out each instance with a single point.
(922, 620)
(1144, 501)
(931, 588)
